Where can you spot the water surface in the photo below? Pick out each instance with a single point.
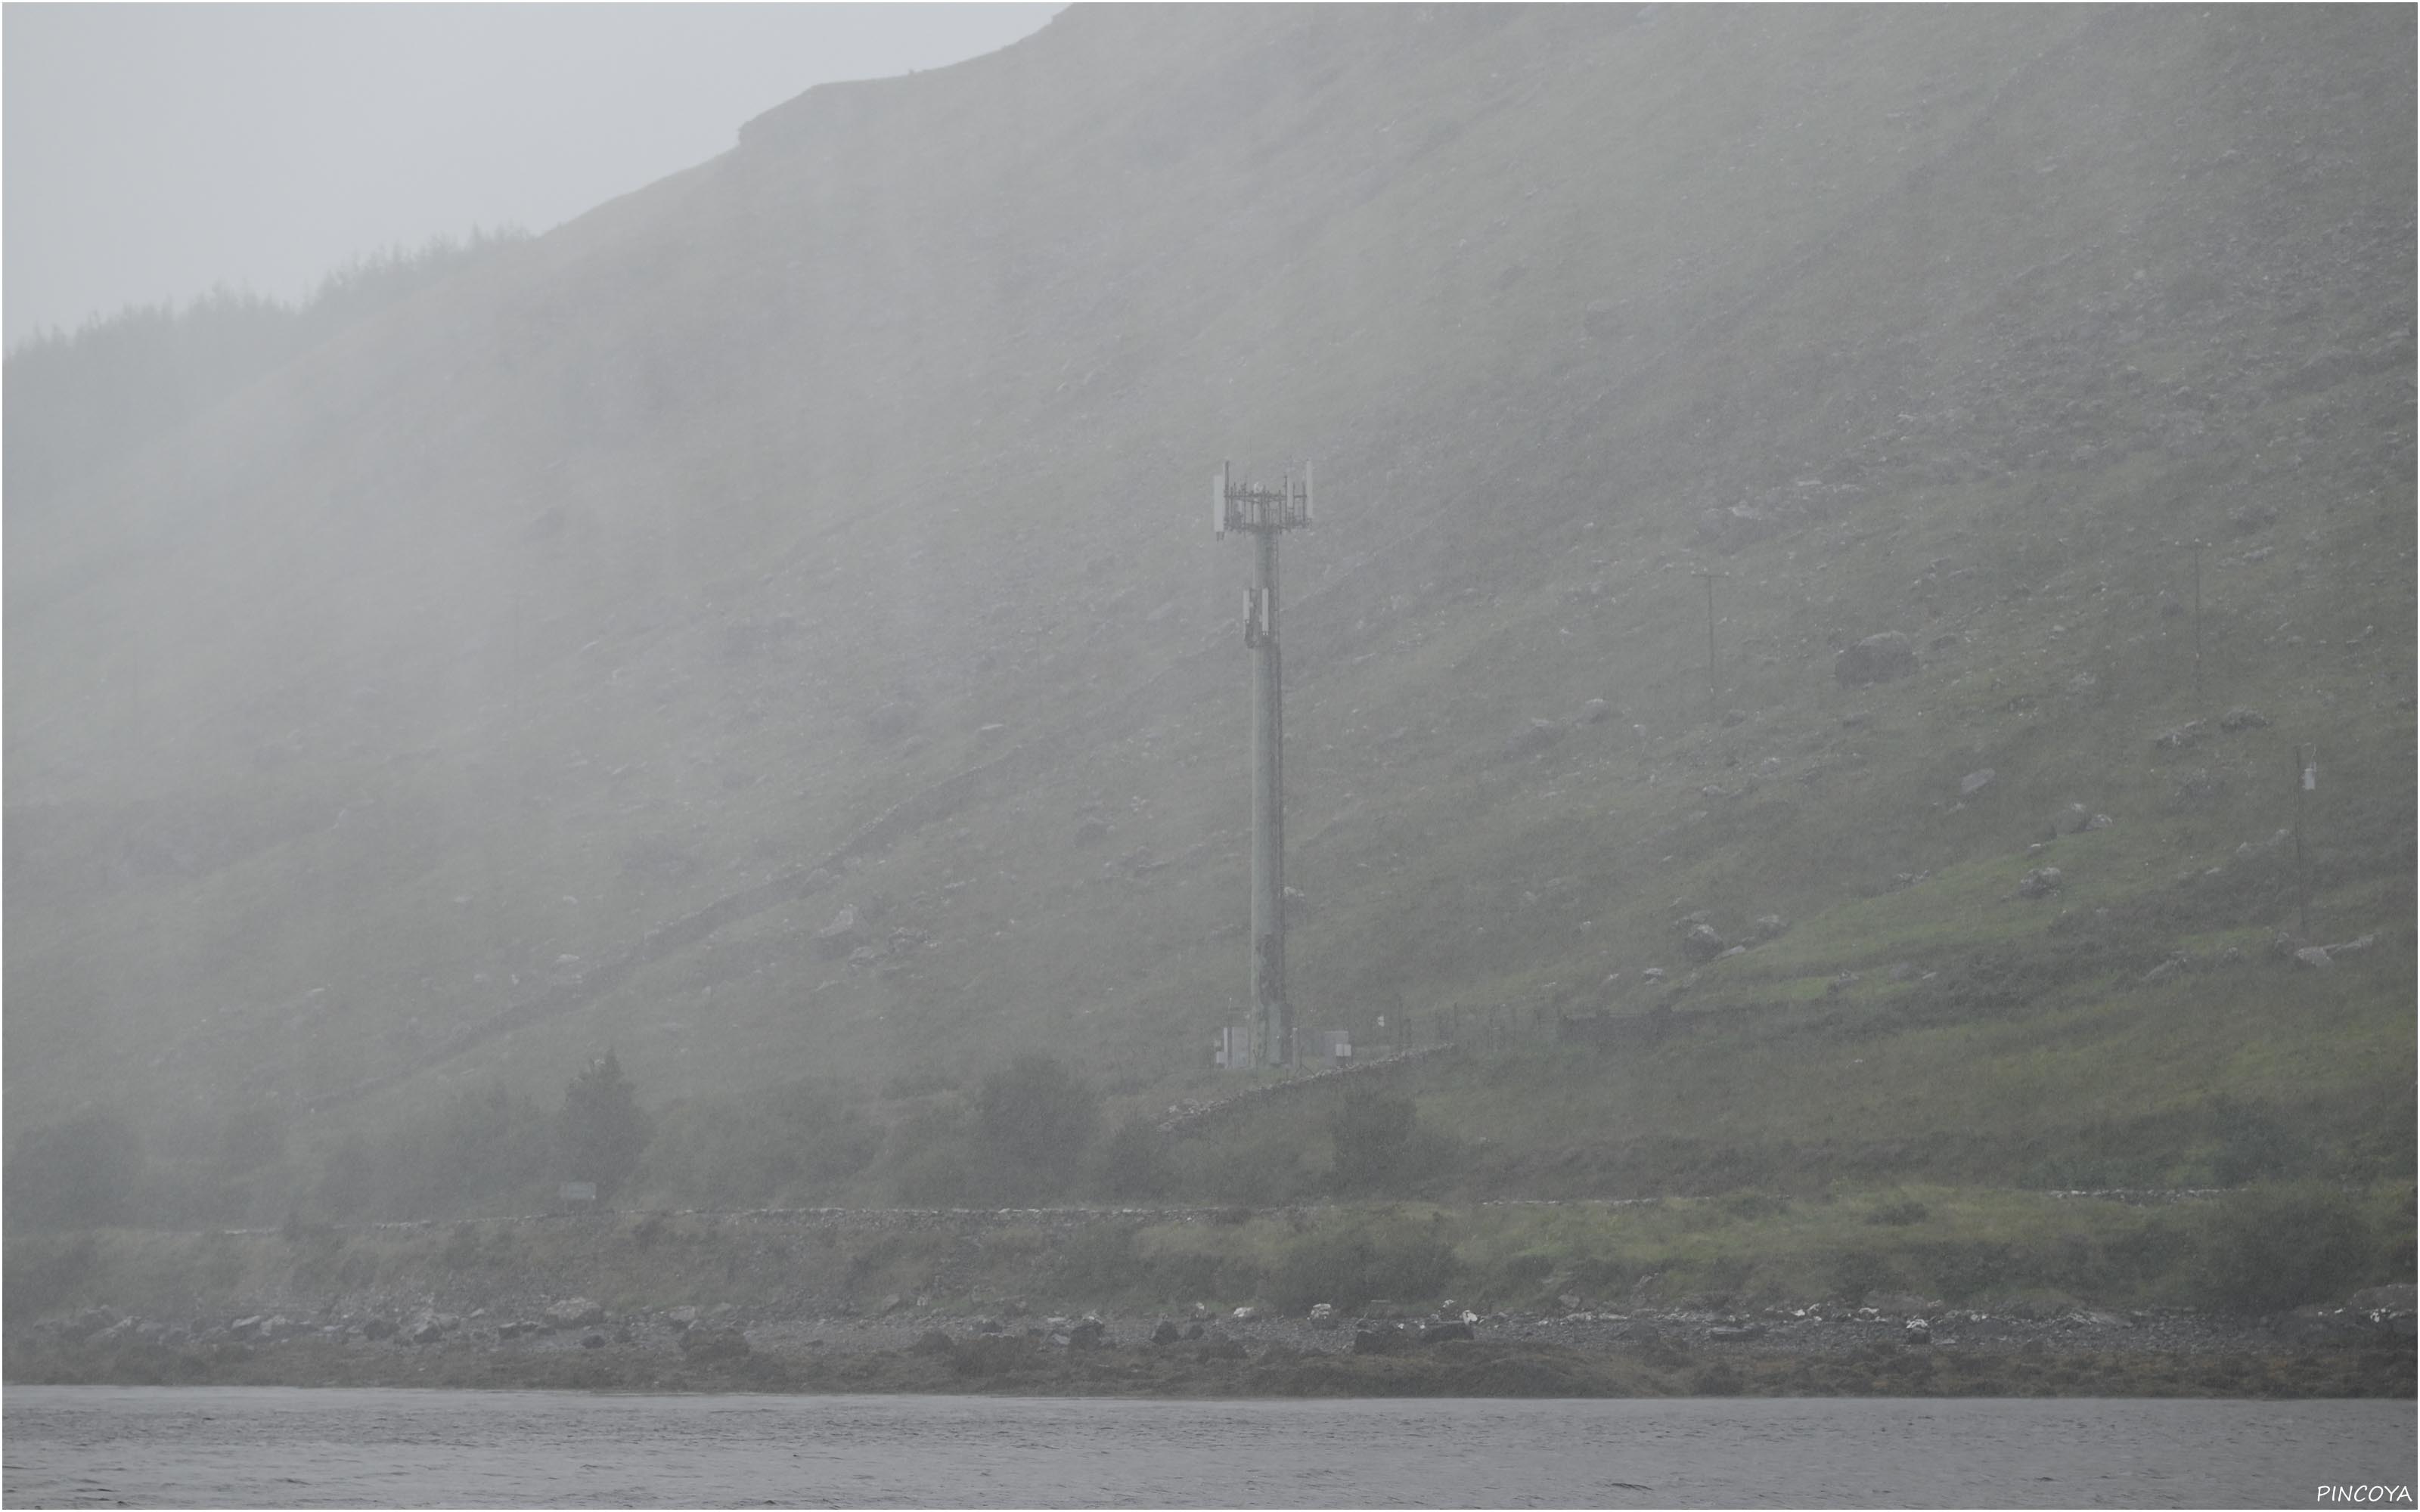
(274, 1448)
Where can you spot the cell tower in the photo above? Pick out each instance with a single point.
(1264, 514)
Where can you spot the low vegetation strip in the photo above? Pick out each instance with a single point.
(2348, 1354)
(1749, 1260)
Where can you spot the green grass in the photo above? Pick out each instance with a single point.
(2267, 1247)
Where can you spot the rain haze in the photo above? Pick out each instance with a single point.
(154, 151)
(1777, 788)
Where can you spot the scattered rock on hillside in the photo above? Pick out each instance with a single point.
(1973, 783)
(2323, 956)
(1540, 734)
(842, 934)
(574, 1312)
(2040, 882)
(1877, 658)
(1595, 711)
(1703, 943)
(2073, 819)
(2199, 789)
(2182, 737)
(2171, 966)
(2242, 719)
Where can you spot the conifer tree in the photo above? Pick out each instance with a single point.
(601, 1129)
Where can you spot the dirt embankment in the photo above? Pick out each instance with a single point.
(2319, 1352)
(1043, 1301)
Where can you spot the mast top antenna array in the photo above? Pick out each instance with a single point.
(1249, 506)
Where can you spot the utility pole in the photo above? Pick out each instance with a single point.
(2306, 780)
(2196, 551)
(1264, 514)
(1714, 699)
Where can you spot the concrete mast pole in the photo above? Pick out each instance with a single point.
(1264, 514)
(1272, 1020)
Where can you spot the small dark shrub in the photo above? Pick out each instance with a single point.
(1860, 1272)
(1134, 1166)
(1098, 1260)
(1347, 1265)
(462, 1250)
(1604, 1272)
(1380, 1146)
(1901, 1213)
(1962, 1269)
(1039, 1114)
(1750, 1206)
(1528, 1269)
(2267, 1249)
(2254, 1146)
(84, 1172)
(931, 1157)
(1201, 1275)
(44, 1273)
(2140, 1258)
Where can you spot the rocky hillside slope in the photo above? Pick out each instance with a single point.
(767, 624)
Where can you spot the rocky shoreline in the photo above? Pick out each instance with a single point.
(2363, 1348)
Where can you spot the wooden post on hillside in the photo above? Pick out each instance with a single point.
(2196, 551)
(2306, 780)
(1713, 696)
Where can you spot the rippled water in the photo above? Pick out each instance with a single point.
(220, 1446)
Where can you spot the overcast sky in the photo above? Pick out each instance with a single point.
(153, 152)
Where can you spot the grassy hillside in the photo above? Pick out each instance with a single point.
(544, 664)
